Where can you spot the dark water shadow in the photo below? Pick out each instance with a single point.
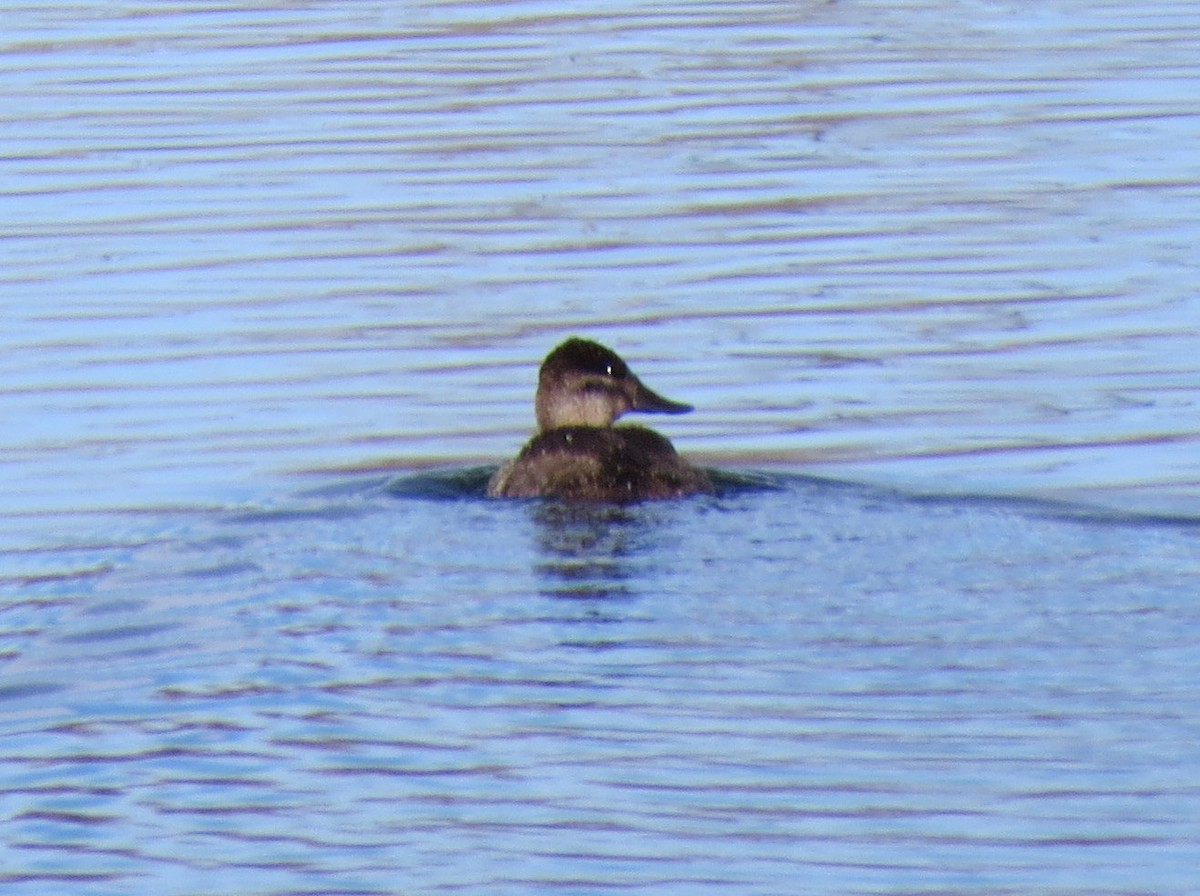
(588, 551)
(354, 496)
(31, 690)
(442, 485)
(471, 482)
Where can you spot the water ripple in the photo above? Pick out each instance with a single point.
(946, 250)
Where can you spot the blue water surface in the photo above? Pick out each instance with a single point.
(380, 686)
(275, 283)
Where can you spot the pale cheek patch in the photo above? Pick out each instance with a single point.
(594, 408)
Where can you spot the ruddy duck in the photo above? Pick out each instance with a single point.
(578, 454)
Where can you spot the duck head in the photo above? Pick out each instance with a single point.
(583, 383)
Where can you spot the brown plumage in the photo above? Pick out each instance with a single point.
(577, 454)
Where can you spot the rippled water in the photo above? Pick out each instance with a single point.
(805, 687)
(275, 283)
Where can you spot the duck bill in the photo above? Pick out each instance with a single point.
(648, 400)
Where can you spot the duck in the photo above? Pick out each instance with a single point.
(578, 454)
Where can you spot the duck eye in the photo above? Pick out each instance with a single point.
(598, 387)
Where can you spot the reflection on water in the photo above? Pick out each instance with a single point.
(596, 551)
(590, 550)
(867, 240)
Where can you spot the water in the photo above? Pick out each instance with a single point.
(811, 686)
(275, 285)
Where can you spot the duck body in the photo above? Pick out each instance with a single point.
(593, 463)
(578, 454)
